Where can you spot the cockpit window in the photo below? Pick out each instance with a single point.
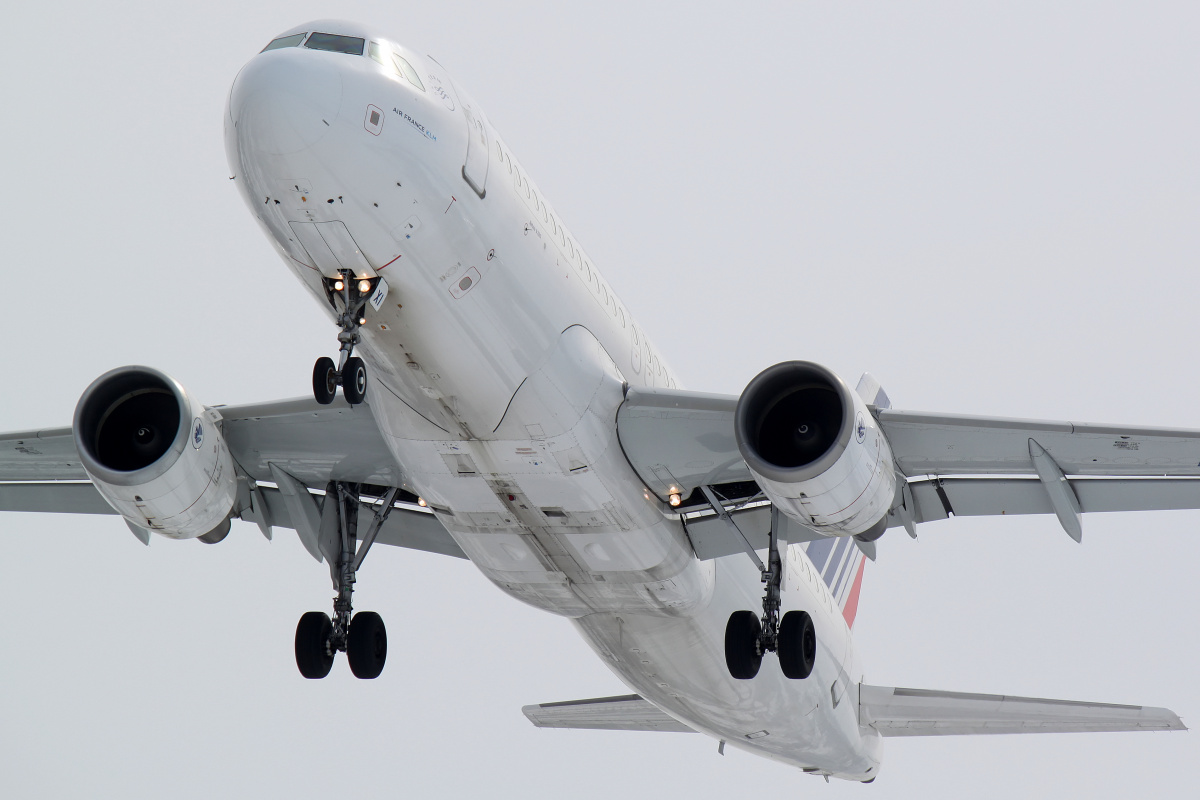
(376, 52)
(408, 71)
(284, 41)
(350, 45)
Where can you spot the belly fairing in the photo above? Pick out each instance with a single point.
(548, 508)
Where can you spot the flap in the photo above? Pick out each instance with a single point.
(711, 536)
(624, 713)
(56, 498)
(983, 496)
(922, 712)
(405, 527)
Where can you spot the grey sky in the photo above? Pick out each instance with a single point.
(990, 206)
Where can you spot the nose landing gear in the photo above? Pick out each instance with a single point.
(362, 636)
(349, 296)
(747, 637)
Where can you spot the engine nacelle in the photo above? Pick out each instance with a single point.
(155, 454)
(816, 451)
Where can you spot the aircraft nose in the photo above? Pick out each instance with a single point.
(285, 100)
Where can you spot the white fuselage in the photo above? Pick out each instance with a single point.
(497, 363)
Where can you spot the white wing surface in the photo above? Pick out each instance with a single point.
(921, 712)
(952, 465)
(624, 713)
(312, 443)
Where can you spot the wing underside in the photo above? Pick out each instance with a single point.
(310, 444)
(624, 713)
(951, 465)
(922, 712)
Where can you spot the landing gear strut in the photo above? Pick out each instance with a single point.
(748, 637)
(349, 297)
(362, 636)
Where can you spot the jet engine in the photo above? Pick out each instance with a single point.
(155, 454)
(816, 451)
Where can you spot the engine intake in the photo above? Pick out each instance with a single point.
(154, 453)
(816, 450)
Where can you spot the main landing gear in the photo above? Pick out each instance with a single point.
(747, 636)
(362, 636)
(349, 297)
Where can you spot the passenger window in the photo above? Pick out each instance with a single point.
(334, 43)
(284, 41)
(408, 71)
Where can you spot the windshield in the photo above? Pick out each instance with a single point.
(408, 71)
(334, 43)
(284, 41)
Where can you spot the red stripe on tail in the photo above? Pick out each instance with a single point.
(851, 607)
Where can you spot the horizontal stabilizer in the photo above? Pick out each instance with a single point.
(921, 712)
(628, 712)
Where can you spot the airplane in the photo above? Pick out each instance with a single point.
(517, 416)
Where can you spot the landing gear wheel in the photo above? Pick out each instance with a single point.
(797, 645)
(354, 381)
(741, 645)
(313, 656)
(366, 647)
(325, 380)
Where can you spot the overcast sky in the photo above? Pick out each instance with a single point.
(990, 206)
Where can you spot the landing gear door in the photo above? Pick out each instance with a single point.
(476, 167)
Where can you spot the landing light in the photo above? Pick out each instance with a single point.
(362, 320)
(675, 499)
(338, 286)
(421, 502)
(364, 286)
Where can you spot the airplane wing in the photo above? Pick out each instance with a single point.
(951, 465)
(922, 712)
(309, 443)
(624, 713)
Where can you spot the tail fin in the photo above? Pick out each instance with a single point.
(841, 569)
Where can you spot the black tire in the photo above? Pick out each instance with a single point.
(324, 380)
(354, 381)
(741, 645)
(366, 647)
(797, 645)
(313, 656)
